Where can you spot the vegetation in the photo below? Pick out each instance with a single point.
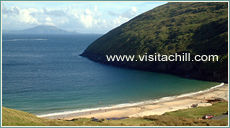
(186, 117)
(194, 27)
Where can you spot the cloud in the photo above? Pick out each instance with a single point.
(73, 16)
(10, 11)
(49, 21)
(127, 14)
(56, 12)
(123, 16)
(89, 17)
(130, 13)
(26, 17)
(84, 18)
(87, 20)
(111, 13)
(20, 15)
(119, 20)
(134, 9)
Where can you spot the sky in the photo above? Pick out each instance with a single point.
(82, 17)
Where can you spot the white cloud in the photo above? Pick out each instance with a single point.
(10, 11)
(20, 15)
(82, 17)
(119, 20)
(87, 20)
(95, 8)
(53, 12)
(88, 12)
(26, 17)
(134, 9)
(49, 21)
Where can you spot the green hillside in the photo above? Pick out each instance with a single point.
(194, 27)
(187, 117)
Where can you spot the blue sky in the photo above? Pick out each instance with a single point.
(83, 17)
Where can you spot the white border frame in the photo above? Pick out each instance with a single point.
(113, 1)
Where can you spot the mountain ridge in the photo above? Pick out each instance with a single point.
(41, 29)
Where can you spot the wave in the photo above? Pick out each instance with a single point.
(163, 99)
(23, 55)
(13, 40)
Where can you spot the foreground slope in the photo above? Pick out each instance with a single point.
(186, 117)
(197, 28)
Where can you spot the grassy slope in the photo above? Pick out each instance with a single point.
(196, 27)
(188, 117)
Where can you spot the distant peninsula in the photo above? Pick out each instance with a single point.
(41, 30)
(176, 27)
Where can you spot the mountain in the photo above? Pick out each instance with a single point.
(176, 27)
(41, 29)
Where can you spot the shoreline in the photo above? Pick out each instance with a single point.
(150, 107)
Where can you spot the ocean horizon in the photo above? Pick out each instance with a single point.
(44, 74)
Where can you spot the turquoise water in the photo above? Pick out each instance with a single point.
(45, 74)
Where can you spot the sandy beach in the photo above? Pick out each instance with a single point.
(153, 108)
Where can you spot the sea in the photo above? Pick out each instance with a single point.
(44, 74)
